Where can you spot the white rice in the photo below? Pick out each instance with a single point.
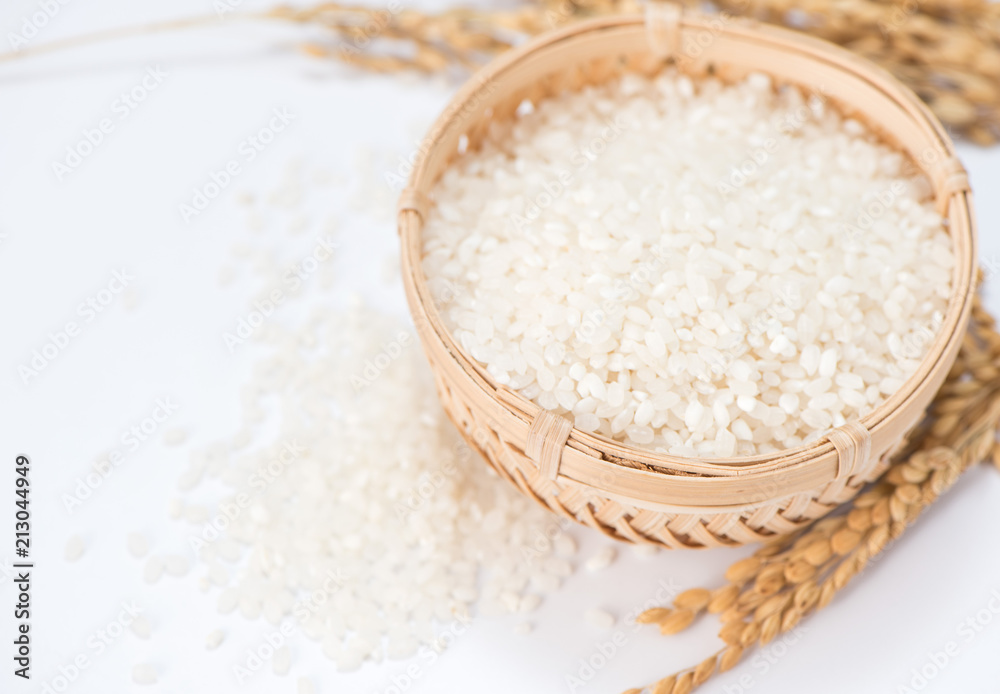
(381, 529)
(138, 545)
(144, 674)
(214, 639)
(140, 627)
(699, 269)
(601, 619)
(74, 548)
(602, 559)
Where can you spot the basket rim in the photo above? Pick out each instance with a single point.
(960, 218)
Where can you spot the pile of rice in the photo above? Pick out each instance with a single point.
(347, 507)
(700, 269)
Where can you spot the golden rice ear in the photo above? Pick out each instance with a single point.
(944, 56)
(758, 617)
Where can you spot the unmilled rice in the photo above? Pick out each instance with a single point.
(700, 269)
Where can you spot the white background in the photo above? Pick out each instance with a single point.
(60, 242)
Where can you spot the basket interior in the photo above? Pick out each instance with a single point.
(729, 49)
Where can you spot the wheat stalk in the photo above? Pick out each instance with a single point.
(770, 592)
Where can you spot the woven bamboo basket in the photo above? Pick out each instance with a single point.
(638, 495)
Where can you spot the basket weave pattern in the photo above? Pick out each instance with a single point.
(637, 495)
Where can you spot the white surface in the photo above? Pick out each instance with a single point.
(61, 242)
